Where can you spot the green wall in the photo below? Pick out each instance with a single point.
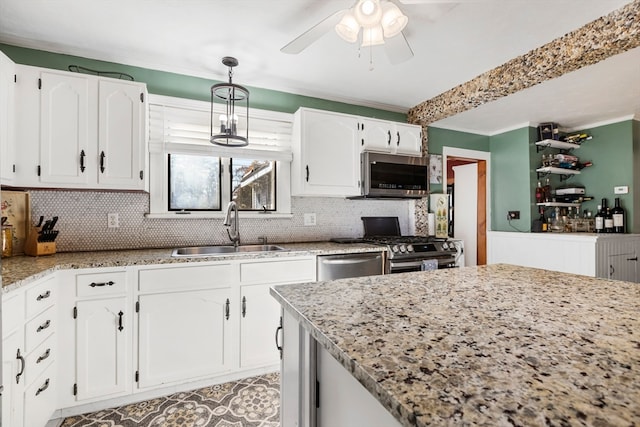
(614, 151)
(439, 138)
(183, 86)
(510, 180)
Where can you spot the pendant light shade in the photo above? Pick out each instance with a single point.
(348, 28)
(393, 20)
(225, 127)
(372, 36)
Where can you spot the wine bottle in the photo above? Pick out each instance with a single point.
(618, 215)
(546, 190)
(599, 220)
(608, 221)
(539, 193)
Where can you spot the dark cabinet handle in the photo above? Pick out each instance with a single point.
(633, 259)
(22, 366)
(120, 327)
(102, 157)
(278, 345)
(43, 296)
(244, 306)
(44, 356)
(398, 141)
(389, 137)
(611, 270)
(44, 387)
(82, 156)
(307, 168)
(44, 326)
(109, 283)
(227, 309)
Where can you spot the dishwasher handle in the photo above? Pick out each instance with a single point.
(346, 261)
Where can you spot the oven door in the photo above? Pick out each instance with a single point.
(415, 264)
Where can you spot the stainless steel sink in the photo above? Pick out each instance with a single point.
(201, 251)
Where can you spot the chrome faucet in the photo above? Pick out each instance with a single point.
(234, 234)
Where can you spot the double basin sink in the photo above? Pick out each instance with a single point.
(202, 251)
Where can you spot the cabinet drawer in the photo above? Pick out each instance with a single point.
(12, 312)
(41, 296)
(39, 359)
(186, 278)
(98, 284)
(40, 399)
(38, 329)
(299, 270)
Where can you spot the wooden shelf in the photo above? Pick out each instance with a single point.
(552, 143)
(564, 173)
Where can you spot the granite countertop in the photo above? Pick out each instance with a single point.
(21, 270)
(493, 345)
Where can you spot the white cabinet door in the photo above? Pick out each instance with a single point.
(7, 109)
(377, 135)
(64, 129)
(120, 135)
(391, 137)
(27, 126)
(13, 364)
(260, 316)
(326, 154)
(408, 139)
(103, 349)
(183, 335)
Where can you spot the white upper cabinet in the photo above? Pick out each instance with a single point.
(121, 144)
(80, 131)
(7, 137)
(326, 154)
(390, 137)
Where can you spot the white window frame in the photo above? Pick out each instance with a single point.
(159, 165)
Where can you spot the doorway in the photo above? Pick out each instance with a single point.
(468, 172)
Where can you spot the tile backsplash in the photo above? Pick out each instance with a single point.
(83, 221)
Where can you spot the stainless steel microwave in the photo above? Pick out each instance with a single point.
(393, 176)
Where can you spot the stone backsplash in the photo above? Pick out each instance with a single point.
(83, 221)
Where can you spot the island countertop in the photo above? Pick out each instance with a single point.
(492, 345)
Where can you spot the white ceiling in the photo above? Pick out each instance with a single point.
(453, 42)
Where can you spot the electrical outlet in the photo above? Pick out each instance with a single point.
(113, 220)
(309, 219)
(513, 215)
(623, 189)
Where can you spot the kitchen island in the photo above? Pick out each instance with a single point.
(490, 345)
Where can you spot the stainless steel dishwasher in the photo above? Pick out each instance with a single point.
(340, 266)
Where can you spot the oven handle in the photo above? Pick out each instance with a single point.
(393, 264)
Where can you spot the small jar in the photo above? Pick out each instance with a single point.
(7, 240)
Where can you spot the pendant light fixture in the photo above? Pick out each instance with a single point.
(379, 19)
(225, 127)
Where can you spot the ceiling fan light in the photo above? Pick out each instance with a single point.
(393, 20)
(368, 13)
(372, 36)
(348, 28)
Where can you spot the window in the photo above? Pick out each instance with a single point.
(194, 183)
(188, 175)
(253, 184)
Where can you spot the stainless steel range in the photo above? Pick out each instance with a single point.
(409, 253)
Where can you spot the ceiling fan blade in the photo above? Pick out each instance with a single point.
(398, 49)
(301, 42)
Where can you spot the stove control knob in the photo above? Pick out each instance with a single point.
(445, 246)
(403, 248)
(395, 248)
(409, 248)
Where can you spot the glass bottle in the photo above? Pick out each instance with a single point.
(539, 193)
(547, 191)
(608, 221)
(618, 216)
(599, 223)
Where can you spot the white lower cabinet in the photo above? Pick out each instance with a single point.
(78, 340)
(29, 353)
(103, 335)
(183, 336)
(609, 256)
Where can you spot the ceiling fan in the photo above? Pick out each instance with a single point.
(370, 22)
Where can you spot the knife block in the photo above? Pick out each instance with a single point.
(34, 248)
